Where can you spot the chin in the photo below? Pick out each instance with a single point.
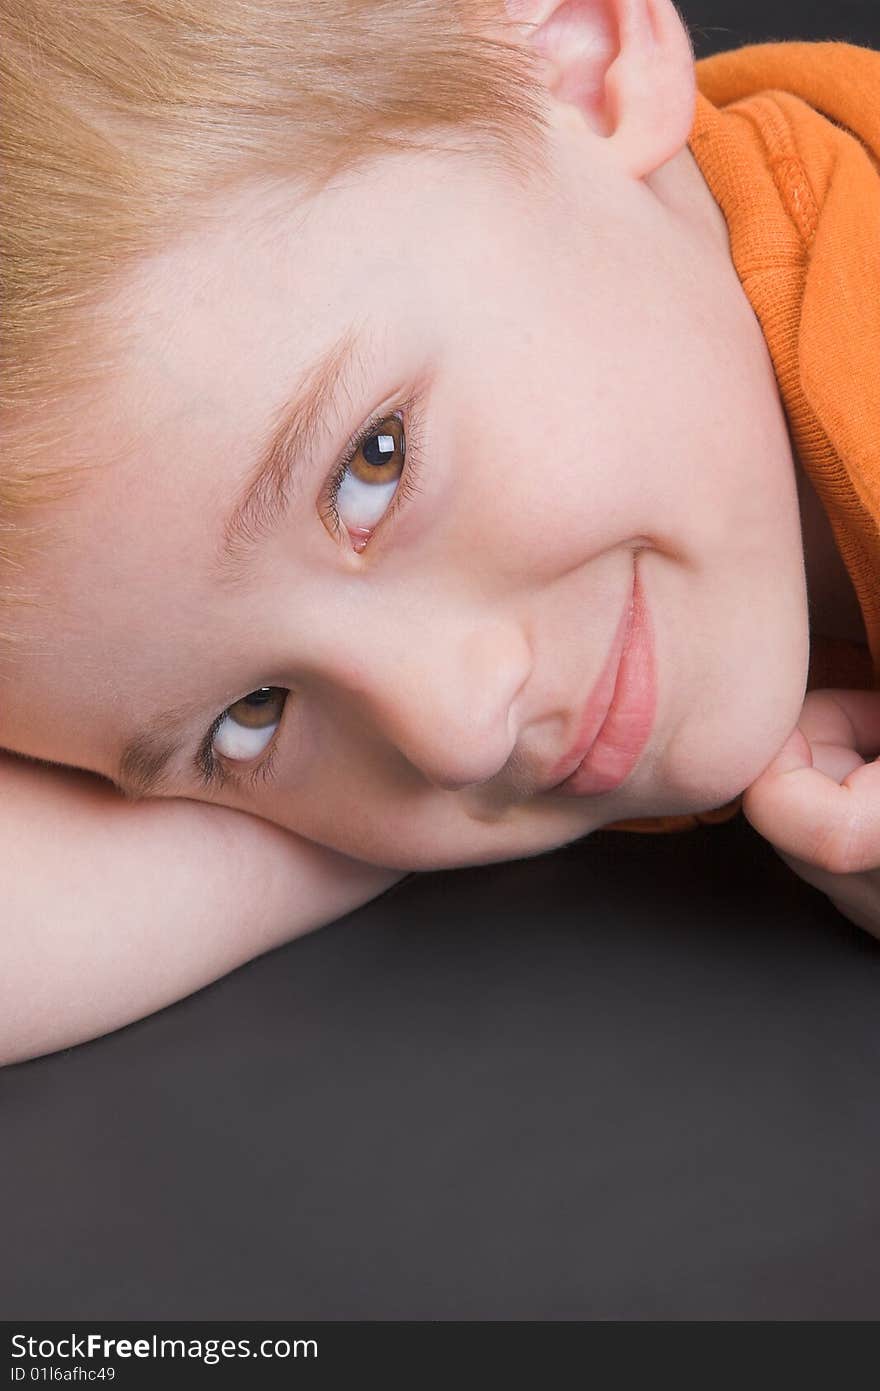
(711, 761)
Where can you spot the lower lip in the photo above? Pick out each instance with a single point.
(627, 726)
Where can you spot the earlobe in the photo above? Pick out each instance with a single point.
(626, 65)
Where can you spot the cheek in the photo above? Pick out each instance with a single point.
(519, 484)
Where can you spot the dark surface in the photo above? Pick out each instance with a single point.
(634, 1079)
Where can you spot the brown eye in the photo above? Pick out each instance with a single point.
(365, 484)
(260, 708)
(247, 726)
(379, 458)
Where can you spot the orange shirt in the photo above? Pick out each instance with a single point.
(787, 136)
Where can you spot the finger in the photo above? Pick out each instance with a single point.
(811, 874)
(850, 719)
(804, 812)
(856, 896)
(835, 762)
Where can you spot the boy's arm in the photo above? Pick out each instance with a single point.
(111, 909)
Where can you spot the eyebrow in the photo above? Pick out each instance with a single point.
(262, 501)
(143, 765)
(273, 483)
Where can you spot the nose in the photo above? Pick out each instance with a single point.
(447, 702)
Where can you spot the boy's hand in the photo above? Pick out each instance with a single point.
(818, 802)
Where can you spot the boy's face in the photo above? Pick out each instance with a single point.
(584, 389)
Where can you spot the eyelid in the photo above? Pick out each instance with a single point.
(210, 769)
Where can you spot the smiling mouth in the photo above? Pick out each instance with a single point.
(623, 731)
(599, 702)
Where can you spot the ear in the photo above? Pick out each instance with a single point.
(627, 66)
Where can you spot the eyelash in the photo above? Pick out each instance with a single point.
(212, 771)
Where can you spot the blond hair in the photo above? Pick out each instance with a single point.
(121, 119)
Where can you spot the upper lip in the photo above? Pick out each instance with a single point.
(591, 721)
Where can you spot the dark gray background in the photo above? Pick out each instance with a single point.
(634, 1079)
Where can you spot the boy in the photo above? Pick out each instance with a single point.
(448, 511)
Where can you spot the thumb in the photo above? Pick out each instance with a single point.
(764, 799)
(805, 803)
(836, 761)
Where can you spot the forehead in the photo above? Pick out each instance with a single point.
(222, 324)
(269, 229)
(217, 326)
